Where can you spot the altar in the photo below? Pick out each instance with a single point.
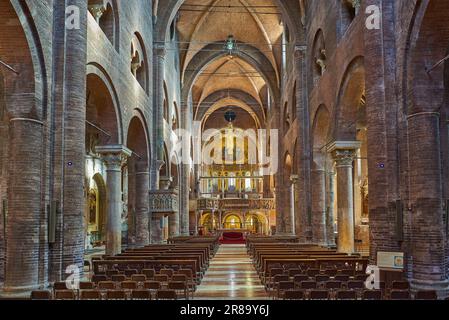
(233, 236)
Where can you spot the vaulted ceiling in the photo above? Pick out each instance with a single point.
(256, 23)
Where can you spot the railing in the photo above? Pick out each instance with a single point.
(235, 204)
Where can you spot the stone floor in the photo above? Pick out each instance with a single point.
(231, 276)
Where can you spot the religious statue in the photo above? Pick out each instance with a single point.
(364, 193)
(124, 211)
(92, 206)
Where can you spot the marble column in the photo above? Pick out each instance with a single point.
(344, 154)
(319, 206)
(330, 204)
(294, 196)
(165, 228)
(142, 186)
(113, 157)
(131, 202)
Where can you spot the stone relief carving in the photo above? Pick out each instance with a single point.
(344, 157)
(164, 202)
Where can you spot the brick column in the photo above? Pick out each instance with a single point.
(173, 225)
(429, 265)
(386, 153)
(318, 184)
(344, 154)
(159, 52)
(156, 227)
(284, 217)
(184, 191)
(280, 222)
(113, 157)
(73, 148)
(184, 185)
(304, 153)
(142, 187)
(24, 206)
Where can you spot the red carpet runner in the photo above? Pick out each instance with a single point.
(232, 238)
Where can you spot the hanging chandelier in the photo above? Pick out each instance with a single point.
(231, 45)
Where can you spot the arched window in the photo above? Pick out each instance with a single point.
(140, 74)
(173, 30)
(139, 66)
(348, 11)
(2, 96)
(106, 16)
(106, 23)
(286, 117)
(166, 111)
(175, 119)
(294, 103)
(319, 56)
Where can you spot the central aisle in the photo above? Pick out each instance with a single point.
(231, 276)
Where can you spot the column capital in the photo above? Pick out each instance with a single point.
(344, 152)
(300, 52)
(294, 178)
(113, 155)
(344, 145)
(344, 157)
(301, 48)
(157, 164)
(159, 49)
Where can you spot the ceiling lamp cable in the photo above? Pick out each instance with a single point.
(239, 12)
(7, 66)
